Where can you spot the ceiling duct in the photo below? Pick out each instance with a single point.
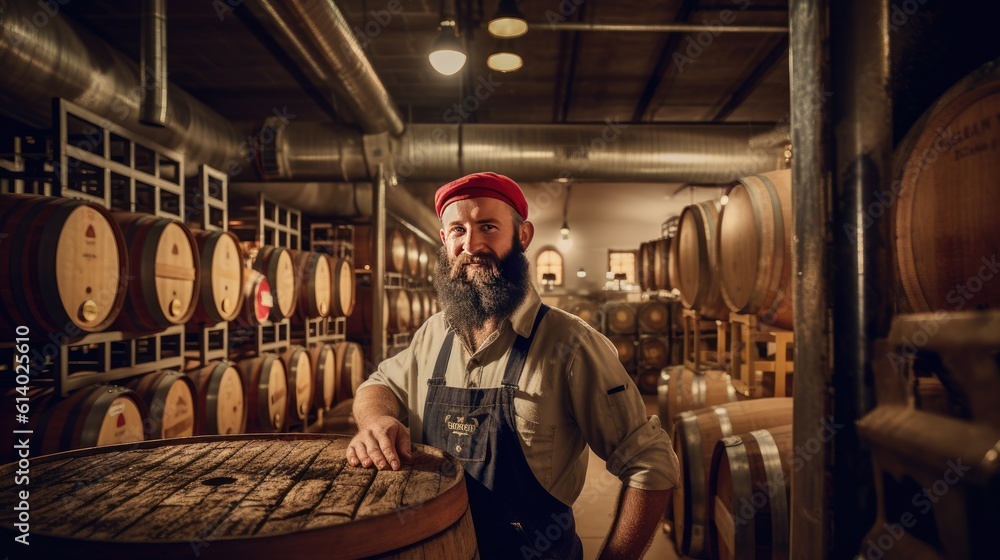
(316, 34)
(56, 59)
(612, 152)
(153, 62)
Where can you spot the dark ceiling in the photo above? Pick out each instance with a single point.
(216, 53)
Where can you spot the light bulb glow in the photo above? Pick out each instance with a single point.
(504, 61)
(447, 62)
(507, 27)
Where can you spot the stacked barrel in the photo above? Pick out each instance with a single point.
(731, 264)
(408, 299)
(77, 268)
(936, 373)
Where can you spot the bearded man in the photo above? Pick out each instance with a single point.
(530, 387)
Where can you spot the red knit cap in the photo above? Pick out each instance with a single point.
(482, 185)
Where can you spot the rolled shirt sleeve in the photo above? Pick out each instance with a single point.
(612, 416)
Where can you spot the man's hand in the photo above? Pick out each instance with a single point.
(381, 441)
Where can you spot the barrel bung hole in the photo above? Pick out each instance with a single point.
(89, 290)
(218, 481)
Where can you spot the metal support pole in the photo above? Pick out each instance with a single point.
(861, 253)
(378, 266)
(811, 181)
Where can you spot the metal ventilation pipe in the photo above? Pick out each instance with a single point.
(317, 35)
(153, 62)
(50, 58)
(716, 153)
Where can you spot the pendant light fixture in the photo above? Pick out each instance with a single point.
(507, 22)
(448, 53)
(505, 58)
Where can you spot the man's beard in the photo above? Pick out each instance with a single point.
(496, 289)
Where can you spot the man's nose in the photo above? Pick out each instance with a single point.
(473, 242)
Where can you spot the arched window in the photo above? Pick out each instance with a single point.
(549, 261)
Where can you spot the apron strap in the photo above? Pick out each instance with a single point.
(519, 352)
(441, 365)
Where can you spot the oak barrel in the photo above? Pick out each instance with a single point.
(412, 254)
(416, 309)
(229, 501)
(661, 263)
(395, 249)
(673, 273)
(755, 248)
(276, 264)
(946, 229)
(400, 312)
(426, 254)
(653, 317)
(342, 287)
(164, 269)
(646, 380)
(89, 417)
(654, 351)
(265, 389)
(170, 396)
(257, 299)
(315, 284)
(749, 495)
(222, 408)
(697, 260)
(350, 369)
(694, 437)
(620, 318)
(65, 264)
(298, 368)
(220, 294)
(625, 345)
(428, 303)
(647, 280)
(680, 389)
(324, 366)
(587, 311)
(361, 322)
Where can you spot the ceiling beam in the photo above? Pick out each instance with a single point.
(656, 28)
(662, 62)
(753, 80)
(564, 97)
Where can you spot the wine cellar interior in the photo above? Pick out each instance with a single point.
(217, 219)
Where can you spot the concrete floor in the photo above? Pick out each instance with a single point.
(596, 505)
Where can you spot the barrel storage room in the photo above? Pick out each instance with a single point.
(456, 279)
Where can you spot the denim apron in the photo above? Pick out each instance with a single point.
(515, 517)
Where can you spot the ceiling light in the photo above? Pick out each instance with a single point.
(564, 230)
(447, 54)
(508, 21)
(505, 59)
(581, 273)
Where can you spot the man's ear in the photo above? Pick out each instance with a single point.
(441, 233)
(526, 234)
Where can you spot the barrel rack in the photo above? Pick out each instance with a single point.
(698, 333)
(100, 162)
(752, 375)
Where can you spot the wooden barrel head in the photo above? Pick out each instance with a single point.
(653, 353)
(646, 380)
(342, 279)
(298, 366)
(653, 317)
(621, 318)
(257, 299)
(395, 251)
(697, 260)
(229, 406)
(176, 267)
(350, 369)
(170, 398)
(88, 267)
(222, 277)
(285, 284)
(227, 502)
(412, 254)
(121, 423)
(315, 288)
(324, 368)
(626, 349)
(399, 310)
(946, 229)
